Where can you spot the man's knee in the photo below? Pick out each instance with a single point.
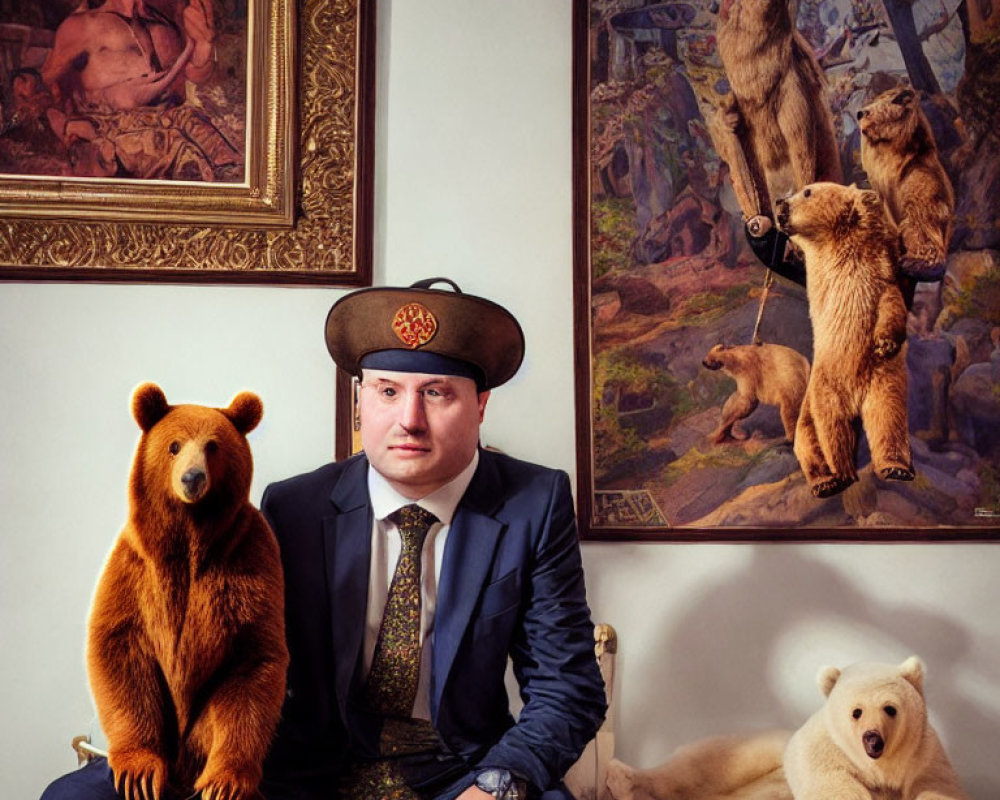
(92, 782)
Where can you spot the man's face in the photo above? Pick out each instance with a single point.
(419, 431)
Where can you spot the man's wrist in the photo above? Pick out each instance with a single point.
(501, 784)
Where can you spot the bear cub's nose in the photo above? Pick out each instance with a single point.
(193, 480)
(874, 743)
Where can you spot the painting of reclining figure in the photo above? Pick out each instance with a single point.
(792, 268)
(145, 89)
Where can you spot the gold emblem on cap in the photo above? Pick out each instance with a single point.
(414, 325)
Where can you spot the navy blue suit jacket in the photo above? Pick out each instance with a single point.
(511, 584)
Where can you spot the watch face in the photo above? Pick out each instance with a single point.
(495, 781)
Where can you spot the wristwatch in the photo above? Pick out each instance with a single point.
(501, 784)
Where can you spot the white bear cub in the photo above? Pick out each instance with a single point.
(871, 739)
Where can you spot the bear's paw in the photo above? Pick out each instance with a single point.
(896, 474)
(929, 267)
(139, 774)
(829, 486)
(923, 258)
(228, 782)
(621, 780)
(886, 347)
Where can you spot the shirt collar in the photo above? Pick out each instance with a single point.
(441, 502)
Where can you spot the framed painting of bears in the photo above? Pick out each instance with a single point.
(187, 140)
(787, 269)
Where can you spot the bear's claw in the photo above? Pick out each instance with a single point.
(138, 774)
(224, 783)
(896, 474)
(830, 486)
(886, 348)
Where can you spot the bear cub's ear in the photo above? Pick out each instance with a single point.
(149, 405)
(827, 679)
(913, 670)
(245, 411)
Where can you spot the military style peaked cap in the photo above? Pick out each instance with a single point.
(421, 329)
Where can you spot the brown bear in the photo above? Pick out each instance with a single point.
(186, 649)
(764, 373)
(859, 335)
(901, 159)
(777, 135)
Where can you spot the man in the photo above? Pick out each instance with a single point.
(500, 576)
(399, 641)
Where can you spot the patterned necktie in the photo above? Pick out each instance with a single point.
(392, 681)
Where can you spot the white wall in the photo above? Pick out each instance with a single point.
(473, 183)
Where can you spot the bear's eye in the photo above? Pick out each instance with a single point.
(890, 711)
(807, 193)
(212, 446)
(857, 713)
(175, 448)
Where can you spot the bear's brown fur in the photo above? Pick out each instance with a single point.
(901, 159)
(779, 123)
(186, 649)
(764, 373)
(859, 335)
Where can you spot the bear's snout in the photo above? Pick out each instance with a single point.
(195, 483)
(874, 743)
(709, 363)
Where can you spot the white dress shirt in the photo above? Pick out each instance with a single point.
(386, 546)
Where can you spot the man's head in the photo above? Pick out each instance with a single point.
(426, 360)
(419, 430)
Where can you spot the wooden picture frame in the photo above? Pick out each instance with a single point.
(346, 436)
(662, 272)
(300, 212)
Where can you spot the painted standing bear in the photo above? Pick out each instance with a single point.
(859, 335)
(900, 156)
(778, 133)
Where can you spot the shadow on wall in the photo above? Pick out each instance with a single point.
(723, 670)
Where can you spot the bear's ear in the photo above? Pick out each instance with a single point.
(904, 98)
(871, 199)
(848, 219)
(149, 405)
(871, 206)
(827, 679)
(913, 670)
(244, 412)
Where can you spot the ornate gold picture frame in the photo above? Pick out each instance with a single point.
(299, 211)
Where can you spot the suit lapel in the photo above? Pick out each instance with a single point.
(348, 555)
(468, 555)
